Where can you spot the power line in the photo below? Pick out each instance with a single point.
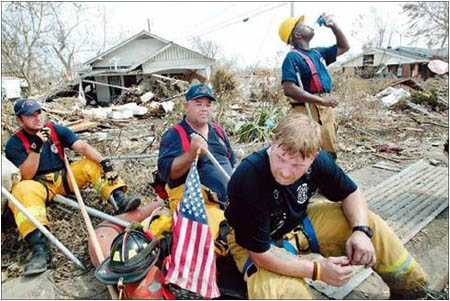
(236, 21)
(233, 19)
(204, 20)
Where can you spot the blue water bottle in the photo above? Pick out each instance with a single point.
(320, 21)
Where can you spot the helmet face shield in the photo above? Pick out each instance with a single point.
(132, 256)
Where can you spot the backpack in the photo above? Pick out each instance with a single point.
(158, 183)
(53, 137)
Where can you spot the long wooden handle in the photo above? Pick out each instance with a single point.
(87, 221)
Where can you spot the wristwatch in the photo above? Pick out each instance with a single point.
(365, 229)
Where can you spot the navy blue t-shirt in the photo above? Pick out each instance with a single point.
(320, 56)
(49, 160)
(170, 148)
(260, 209)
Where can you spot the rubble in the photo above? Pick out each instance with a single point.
(366, 127)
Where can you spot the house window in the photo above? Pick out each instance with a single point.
(368, 59)
(114, 80)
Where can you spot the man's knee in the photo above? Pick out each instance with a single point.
(265, 284)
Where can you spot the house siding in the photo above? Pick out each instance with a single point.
(130, 54)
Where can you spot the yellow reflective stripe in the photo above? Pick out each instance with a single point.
(396, 265)
(34, 210)
(100, 184)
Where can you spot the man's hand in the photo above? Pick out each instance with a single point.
(360, 250)
(336, 270)
(108, 171)
(44, 136)
(329, 22)
(197, 142)
(329, 101)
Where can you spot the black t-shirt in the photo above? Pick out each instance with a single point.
(260, 209)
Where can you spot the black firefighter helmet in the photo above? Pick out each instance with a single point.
(132, 256)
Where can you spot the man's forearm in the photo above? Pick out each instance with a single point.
(30, 166)
(355, 209)
(181, 165)
(280, 261)
(86, 150)
(301, 96)
(341, 40)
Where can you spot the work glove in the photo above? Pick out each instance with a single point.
(43, 136)
(108, 171)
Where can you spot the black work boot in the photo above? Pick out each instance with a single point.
(41, 253)
(123, 202)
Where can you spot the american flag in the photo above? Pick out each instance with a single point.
(192, 263)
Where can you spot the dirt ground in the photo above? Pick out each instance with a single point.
(368, 133)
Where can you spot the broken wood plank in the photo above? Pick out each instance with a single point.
(108, 85)
(59, 112)
(86, 125)
(383, 165)
(419, 109)
(168, 78)
(437, 124)
(387, 158)
(412, 129)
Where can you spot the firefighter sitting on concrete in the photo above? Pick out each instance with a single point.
(270, 214)
(37, 150)
(178, 150)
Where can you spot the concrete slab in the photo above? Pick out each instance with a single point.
(429, 247)
(29, 288)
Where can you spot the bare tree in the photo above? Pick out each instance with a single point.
(45, 41)
(206, 47)
(23, 29)
(429, 21)
(375, 29)
(63, 40)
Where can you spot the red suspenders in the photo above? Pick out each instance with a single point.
(315, 85)
(53, 136)
(185, 140)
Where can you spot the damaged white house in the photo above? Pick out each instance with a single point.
(141, 58)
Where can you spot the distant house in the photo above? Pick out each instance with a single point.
(400, 61)
(136, 59)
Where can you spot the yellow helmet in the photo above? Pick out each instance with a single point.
(287, 26)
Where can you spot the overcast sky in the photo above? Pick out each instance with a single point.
(250, 42)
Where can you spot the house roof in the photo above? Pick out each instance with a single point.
(167, 45)
(409, 54)
(136, 36)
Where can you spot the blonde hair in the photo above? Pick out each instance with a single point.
(299, 135)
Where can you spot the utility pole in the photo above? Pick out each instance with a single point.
(148, 25)
(292, 9)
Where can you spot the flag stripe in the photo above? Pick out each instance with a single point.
(200, 264)
(187, 254)
(192, 264)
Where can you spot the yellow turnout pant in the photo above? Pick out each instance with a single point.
(394, 264)
(33, 194)
(327, 118)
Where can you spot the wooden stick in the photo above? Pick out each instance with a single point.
(87, 221)
(387, 158)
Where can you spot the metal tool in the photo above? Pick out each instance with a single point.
(301, 87)
(41, 228)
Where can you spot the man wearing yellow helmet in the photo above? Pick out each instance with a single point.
(305, 78)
